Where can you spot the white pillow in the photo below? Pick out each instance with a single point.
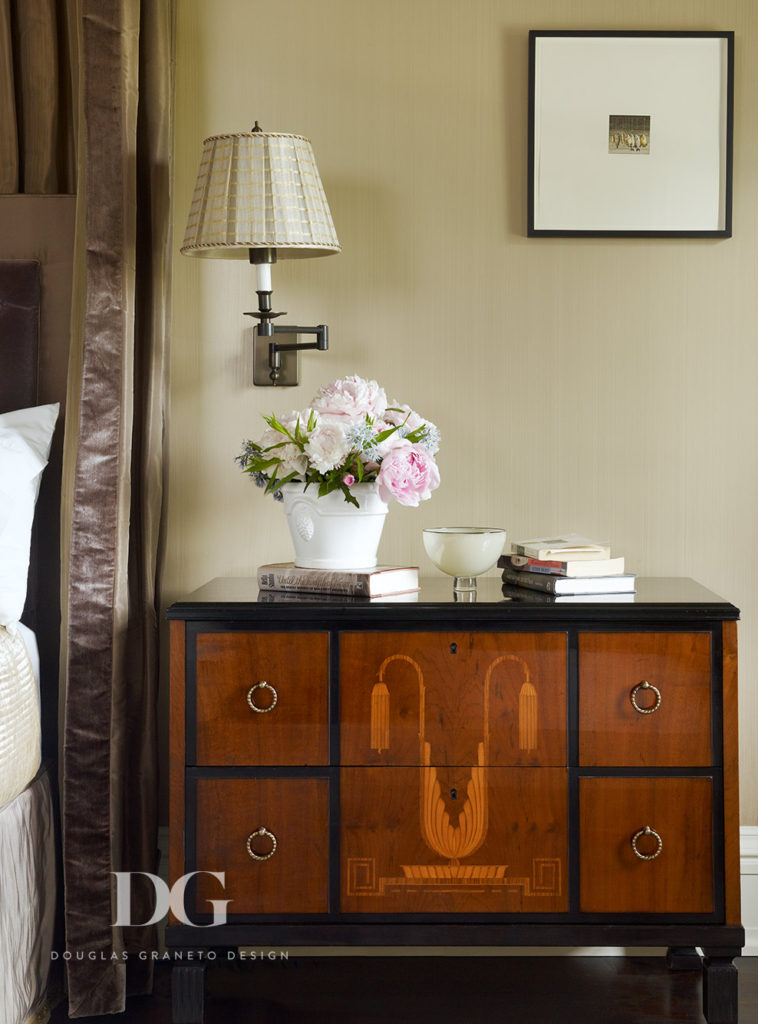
(25, 436)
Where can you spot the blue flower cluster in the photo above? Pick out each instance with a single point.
(250, 450)
(362, 437)
(430, 439)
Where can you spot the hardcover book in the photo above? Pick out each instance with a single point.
(380, 581)
(570, 546)
(571, 585)
(580, 567)
(320, 597)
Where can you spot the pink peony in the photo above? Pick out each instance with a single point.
(398, 414)
(408, 474)
(352, 397)
(348, 479)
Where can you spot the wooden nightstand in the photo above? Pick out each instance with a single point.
(425, 772)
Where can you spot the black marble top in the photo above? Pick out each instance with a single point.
(664, 599)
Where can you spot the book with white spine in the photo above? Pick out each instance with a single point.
(379, 581)
(570, 546)
(623, 583)
(579, 567)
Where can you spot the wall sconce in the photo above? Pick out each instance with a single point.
(259, 196)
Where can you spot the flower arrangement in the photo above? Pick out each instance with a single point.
(348, 435)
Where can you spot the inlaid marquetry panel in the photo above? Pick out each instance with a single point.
(282, 675)
(453, 839)
(679, 877)
(613, 668)
(408, 698)
(292, 874)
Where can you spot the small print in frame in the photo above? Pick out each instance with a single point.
(629, 134)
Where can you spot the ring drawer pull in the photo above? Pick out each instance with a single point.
(647, 831)
(645, 685)
(269, 835)
(262, 685)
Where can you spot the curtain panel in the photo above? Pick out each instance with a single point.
(113, 491)
(36, 123)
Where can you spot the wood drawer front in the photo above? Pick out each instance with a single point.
(613, 878)
(295, 731)
(612, 732)
(453, 698)
(408, 847)
(295, 880)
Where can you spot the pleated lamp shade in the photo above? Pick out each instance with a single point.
(259, 190)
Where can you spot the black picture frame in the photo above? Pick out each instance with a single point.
(666, 169)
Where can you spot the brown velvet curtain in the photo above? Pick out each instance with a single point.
(113, 490)
(36, 124)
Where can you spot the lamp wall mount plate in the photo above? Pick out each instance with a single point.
(289, 365)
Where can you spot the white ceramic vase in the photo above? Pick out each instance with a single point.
(329, 532)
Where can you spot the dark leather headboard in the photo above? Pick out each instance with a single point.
(20, 301)
(38, 232)
(19, 333)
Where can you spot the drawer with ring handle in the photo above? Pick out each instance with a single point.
(262, 698)
(646, 845)
(270, 837)
(645, 699)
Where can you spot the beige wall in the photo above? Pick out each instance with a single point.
(603, 386)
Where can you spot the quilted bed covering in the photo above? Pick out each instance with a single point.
(19, 715)
(27, 903)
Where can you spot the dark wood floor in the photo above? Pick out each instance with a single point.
(399, 990)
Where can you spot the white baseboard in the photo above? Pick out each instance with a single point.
(748, 877)
(749, 881)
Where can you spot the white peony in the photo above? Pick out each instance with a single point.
(352, 397)
(327, 446)
(279, 446)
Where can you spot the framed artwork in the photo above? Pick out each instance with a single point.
(630, 134)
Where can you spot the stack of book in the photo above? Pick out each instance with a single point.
(566, 566)
(380, 582)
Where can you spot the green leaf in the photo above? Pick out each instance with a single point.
(274, 422)
(261, 465)
(331, 483)
(286, 479)
(279, 444)
(384, 434)
(348, 496)
(301, 432)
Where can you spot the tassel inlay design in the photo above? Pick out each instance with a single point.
(527, 717)
(380, 718)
